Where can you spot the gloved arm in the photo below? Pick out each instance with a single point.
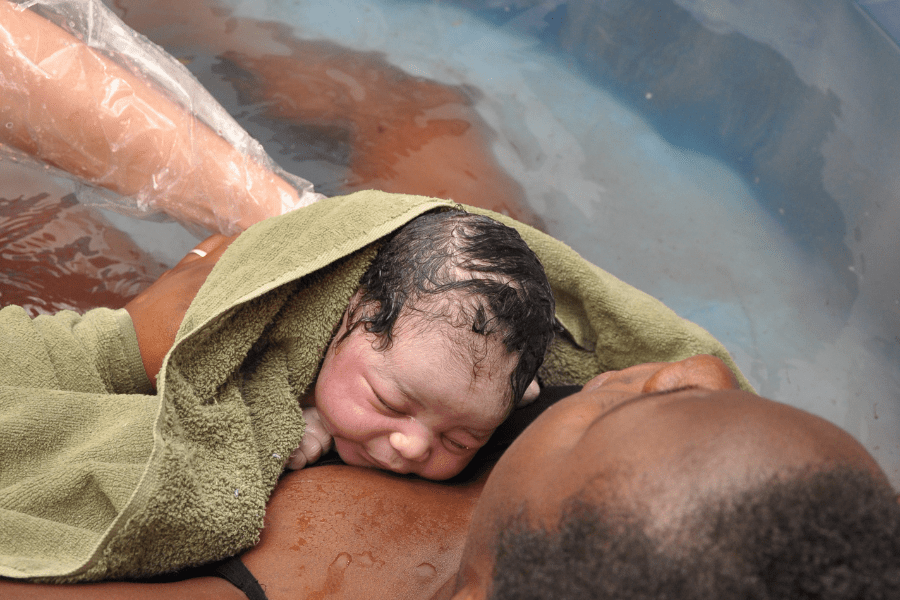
(78, 110)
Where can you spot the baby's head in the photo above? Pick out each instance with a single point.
(449, 327)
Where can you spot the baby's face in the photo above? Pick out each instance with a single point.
(422, 406)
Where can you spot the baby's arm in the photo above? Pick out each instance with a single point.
(316, 442)
(79, 111)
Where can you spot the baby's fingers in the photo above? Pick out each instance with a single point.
(316, 442)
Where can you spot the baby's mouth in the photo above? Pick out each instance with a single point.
(375, 463)
(378, 464)
(355, 456)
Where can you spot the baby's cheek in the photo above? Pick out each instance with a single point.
(351, 420)
(342, 448)
(327, 400)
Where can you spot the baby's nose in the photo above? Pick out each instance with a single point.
(412, 445)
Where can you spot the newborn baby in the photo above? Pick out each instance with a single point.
(442, 340)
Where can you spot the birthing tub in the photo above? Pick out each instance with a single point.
(739, 161)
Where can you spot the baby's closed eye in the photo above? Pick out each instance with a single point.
(388, 407)
(457, 445)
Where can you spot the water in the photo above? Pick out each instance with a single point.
(737, 160)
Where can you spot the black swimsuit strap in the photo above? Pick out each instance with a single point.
(236, 572)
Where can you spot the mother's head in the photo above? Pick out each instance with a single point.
(664, 481)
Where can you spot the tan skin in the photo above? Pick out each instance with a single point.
(331, 532)
(158, 312)
(391, 528)
(361, 533)
(349, 532)
(408, 135)
(82, 113)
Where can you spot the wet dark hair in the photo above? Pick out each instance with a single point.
(832, 535)
(467, 270)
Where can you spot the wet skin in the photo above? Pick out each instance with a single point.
(392, 528)
(333, 505)
(407, 134)
(421, 406)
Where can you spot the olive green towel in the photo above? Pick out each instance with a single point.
(99, 484)
(610, 325)
(100, 480)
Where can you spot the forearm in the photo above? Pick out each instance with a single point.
(79, 111)
(157, 312)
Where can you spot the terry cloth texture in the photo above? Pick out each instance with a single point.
(101, 480)
(609, 324)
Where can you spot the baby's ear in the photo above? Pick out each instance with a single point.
(355, 299)
(356, 303)
(531, 394)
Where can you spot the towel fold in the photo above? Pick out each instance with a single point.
(609, 324)
(101, 480)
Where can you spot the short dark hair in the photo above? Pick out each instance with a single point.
(831, 535)
(498, 285)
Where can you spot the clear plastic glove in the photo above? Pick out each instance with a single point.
(87, 95)
(316, 442)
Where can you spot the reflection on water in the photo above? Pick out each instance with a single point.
(371, 124)
(377, 126)
(56, 254)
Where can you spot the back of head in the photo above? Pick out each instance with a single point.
(832, 534)
(467, 270)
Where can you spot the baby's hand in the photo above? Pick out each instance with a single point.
(316, 442)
